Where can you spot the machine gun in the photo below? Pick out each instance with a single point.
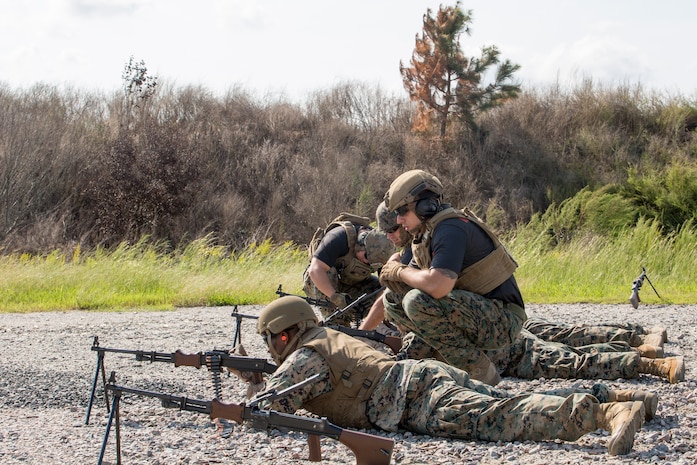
(393, 342)
(327, 304)
(636, 286)
(367, 448)
(214, 360)
(360, 299)
(318, 302)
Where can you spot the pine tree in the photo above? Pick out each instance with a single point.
(444, 82)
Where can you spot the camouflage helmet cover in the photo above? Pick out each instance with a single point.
(386, 218)
(283, 313)
(378, 247)
(406, 188)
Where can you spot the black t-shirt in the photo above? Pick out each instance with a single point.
(457, 243)
(333, 246)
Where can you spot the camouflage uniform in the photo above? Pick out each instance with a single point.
(448, 323)
(347, 274)
(582, 335)
(431, 397)
(530, 357)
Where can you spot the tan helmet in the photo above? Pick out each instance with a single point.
(283, 313)
(386, 218)
(378, 247)
(406, 188)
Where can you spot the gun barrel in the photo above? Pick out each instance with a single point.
(168, 400)
(368, 449)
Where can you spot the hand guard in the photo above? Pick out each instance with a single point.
(247, 376)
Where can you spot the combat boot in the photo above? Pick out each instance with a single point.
(650, 399)
(670, 368)
(485, 371)
(652, 339)
(622, 420)
(649, 351)
(660, 330)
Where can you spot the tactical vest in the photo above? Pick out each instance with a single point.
(350, 269)
(355, 370)
(481, 277)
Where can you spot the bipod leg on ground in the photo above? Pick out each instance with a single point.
(100, 367)
(114, 415)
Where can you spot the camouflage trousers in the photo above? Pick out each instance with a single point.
(359, 311)
(582, 335)
(530, 357)
(458, 325)
(443, 401)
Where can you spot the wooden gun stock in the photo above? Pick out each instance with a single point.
(368, 449)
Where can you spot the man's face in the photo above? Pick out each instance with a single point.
(360, 255)
(396, 236)
(408, 220)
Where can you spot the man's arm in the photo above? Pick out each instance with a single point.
(375, 315)
(318, 274)
(435, 282)
(299, 366)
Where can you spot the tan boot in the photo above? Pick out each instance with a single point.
(660, 330)
(650, 399)
(485, 371)
(653, 339)
(670, 368)
(649, 351)
(622, 420)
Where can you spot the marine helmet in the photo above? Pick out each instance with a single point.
(378, 247)
(409, 186)
(386, 218)
(283, 313)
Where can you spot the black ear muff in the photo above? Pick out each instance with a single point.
(426, 207)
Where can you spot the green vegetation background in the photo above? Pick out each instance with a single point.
(190, 199)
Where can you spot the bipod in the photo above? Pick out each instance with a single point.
(113, 415)
(100, 367)
(238, 326)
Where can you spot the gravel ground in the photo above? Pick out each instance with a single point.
(47, 368)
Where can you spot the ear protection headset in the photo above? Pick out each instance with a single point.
(426, 207)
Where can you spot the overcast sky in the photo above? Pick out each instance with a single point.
(293, 47)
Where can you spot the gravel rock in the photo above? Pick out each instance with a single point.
(47, 369)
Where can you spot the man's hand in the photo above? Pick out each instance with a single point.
(340, 300)
(390, 272)
(390, 277)
(246, 376)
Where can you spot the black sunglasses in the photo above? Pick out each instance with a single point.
(403, 210)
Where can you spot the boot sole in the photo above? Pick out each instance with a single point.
(677, 374)
(650, 405)
(617, 447)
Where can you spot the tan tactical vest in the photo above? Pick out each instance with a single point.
(355, 370)
(481, 277)
(350, 269)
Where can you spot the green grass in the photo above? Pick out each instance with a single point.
(602, 269)
(144, 276)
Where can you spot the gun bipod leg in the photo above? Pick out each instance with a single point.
(113, 415)
(100, 367)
